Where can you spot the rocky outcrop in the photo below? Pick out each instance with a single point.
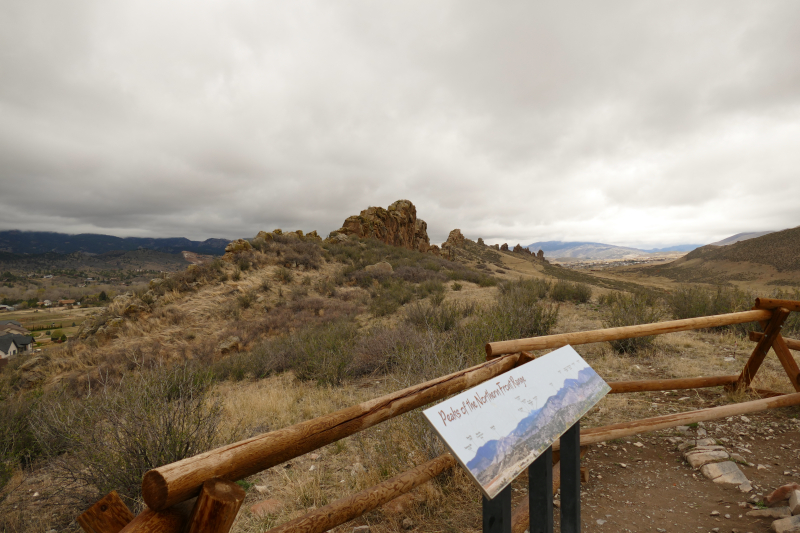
(519, 249)
(504, 247)
(398, 226)
(454, 240)
(540, 255)
(235, 247)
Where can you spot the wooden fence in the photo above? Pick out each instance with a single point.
(199, 493)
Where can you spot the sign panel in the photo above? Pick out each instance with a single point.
(498, 428)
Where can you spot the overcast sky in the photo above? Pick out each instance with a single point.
(633, 123)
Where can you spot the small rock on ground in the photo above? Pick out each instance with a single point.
(787, 525)
(725, 472)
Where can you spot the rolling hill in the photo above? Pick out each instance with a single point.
(771, 259)
(41, 242)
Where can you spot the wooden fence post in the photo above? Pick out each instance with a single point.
(108, 515)
(772, 330)
(216, 507)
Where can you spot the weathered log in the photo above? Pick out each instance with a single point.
(216, 507)
(782, 345)
(149, 521)
(346, 509)
(772, 330)
(172, 483)
(792, 344)
(670, 384)
(774, 303)
(108, 515)
(626, 429)
(787, 361)
(495, 349)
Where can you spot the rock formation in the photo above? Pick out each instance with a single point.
(454, 240)
(504, 247)
(519, 249)
(540, 255)
(398, 225)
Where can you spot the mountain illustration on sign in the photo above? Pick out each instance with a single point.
(540, 428)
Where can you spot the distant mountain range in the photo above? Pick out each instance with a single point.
(740, 237)
(598, 250)
(40, 242)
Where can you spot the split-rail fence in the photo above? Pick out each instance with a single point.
(200, 494)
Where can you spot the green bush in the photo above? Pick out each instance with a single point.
(247, 299)
(456, 286)
(443, 317)
(520, 312)
(284, 275)
(622, 309)
(108, 441)
(563, 291)
(390, 296)
(322, 353)
(430, 287)
(694, 301)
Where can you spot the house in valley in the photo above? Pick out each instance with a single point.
(11, 344)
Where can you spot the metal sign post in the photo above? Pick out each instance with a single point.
(497, 511)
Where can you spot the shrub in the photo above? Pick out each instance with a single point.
(321, 353)
(284, 275)
(519, 312)
(416, 274)
(115, 436)
(17, 442)
(630, 310)
(430, 287)
(326, 287)
(442, 317)
(244, 264)
(390, 296)
(247, 299)
(562, 291)
(693, 301)
(237, 274)
(456, 286)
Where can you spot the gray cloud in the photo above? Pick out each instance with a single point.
(639, 124)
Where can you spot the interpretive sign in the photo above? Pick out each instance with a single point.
(498, 428)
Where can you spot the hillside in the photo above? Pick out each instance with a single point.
(40, 242)
(772, 259)
(79, 261)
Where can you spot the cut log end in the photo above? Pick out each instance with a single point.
(224, 490)
(155, 490)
